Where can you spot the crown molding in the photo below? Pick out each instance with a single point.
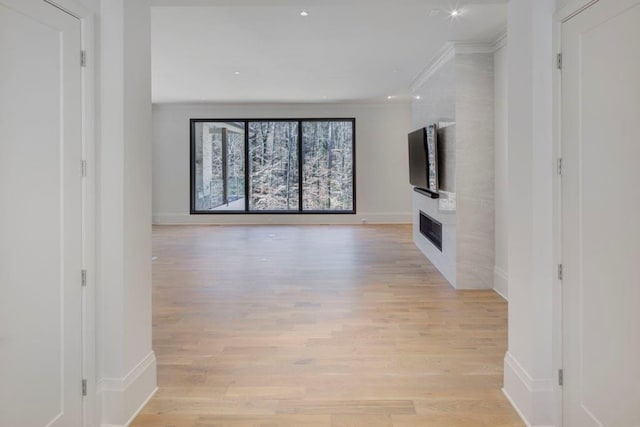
(500, 42)
(444, 55)
(464, 48)
(447, 53)
(571, 9)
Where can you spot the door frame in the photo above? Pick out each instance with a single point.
(88, 101)
(562, 15)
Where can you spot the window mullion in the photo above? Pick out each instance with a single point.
(247, 166)
(300, 165)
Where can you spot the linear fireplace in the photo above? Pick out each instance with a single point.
(431, 229)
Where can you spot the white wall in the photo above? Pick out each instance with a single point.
(125, 360)
(529, 380)
(382, 178)
(500, 275)
(437, 101)
(91, 5)
(137, 180)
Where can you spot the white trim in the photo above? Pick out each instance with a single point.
(121, 384)
(72, 7)
(526, 423)
(444, 55)
(503, 296)
(135, 414)
(89, 222)
(87, 43)
(500, 42)
(501, 282)
(530, 383)
(533, 399)
(465, 48)
(371, 102)
(556, 297)
(572, 9)
(303, 219)
(123, 398)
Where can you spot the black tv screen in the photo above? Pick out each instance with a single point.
(423, 158)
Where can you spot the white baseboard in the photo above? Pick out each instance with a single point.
(501, 282)
(122, 398)
(135, 414)
(249, 219)
(533, 399)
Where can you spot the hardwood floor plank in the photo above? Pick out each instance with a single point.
(315, 326)
(359, 420)
(369, 407)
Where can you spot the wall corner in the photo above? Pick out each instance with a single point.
(121, 399)
(533, 399)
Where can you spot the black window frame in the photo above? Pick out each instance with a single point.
(247, 171)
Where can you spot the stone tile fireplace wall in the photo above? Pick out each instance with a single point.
(457, 92)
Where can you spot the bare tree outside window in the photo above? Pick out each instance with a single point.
(328, 165)
(273, 177)
(285, 165)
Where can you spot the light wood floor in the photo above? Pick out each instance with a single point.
(318, 326)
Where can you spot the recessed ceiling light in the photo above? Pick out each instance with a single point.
(417, 97)
(237, 73)
(455, 12)
(304, 13)
(390, 96)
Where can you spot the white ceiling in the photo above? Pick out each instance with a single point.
(344, 51)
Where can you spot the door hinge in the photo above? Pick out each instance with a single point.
(84, 278)
(83, 58)
(560, 272)
(560, 376)
(84, 387)
(84, 168)
(559, 61)
(560, 165)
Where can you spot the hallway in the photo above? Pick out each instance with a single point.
(318, 326)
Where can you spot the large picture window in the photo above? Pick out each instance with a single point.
(273, 171)
(273, 166)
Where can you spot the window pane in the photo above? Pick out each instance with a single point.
(327, 171)
(273, 156)
(219, 166)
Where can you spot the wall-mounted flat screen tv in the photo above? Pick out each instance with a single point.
(423, 158)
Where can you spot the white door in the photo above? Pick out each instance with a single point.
(601, 215)
(40, 216)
